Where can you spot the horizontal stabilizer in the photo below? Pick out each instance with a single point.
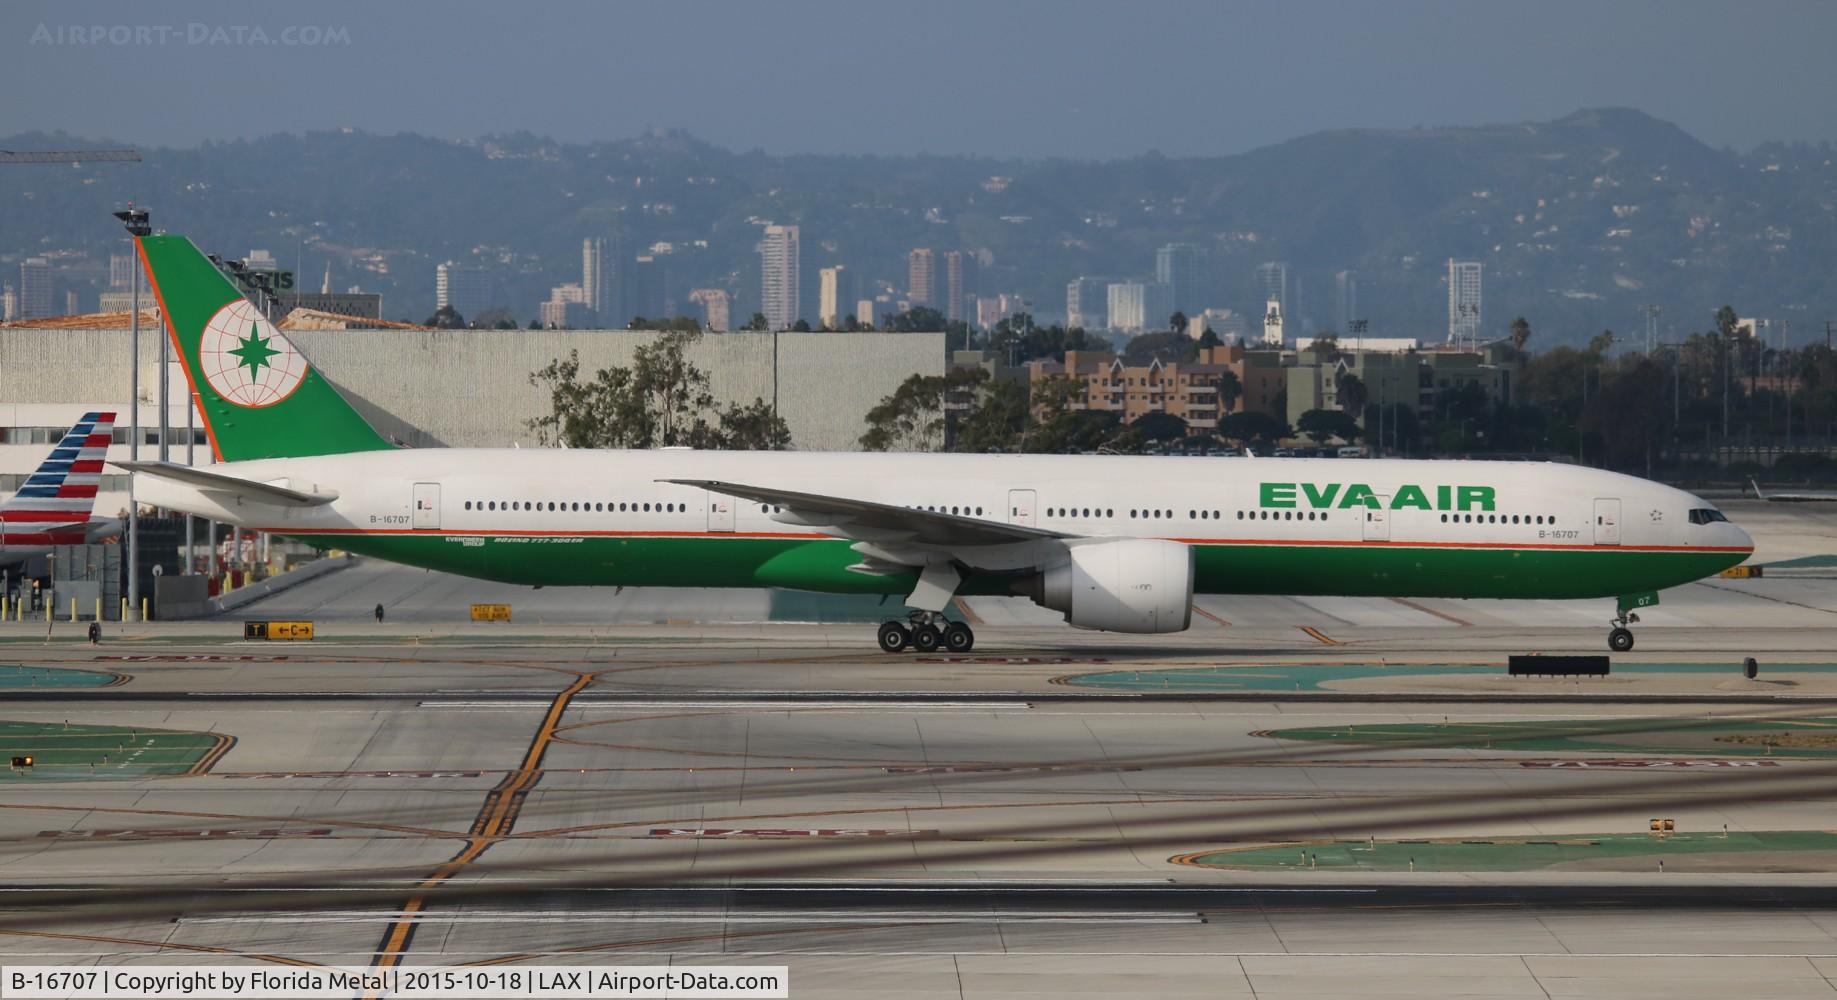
(247, 489)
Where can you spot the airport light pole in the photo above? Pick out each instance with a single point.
(135, 221)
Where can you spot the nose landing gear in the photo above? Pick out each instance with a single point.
(1621, 638)
(926, 631)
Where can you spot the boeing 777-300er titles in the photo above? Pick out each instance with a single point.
(1112, 542)
(54, 505)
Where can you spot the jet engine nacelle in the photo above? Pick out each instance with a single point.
(1127, 585)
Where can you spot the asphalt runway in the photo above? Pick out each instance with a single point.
(743, 778)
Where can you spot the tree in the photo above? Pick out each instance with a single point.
(1321, 425)
(661, 400)
(1230, 389)
(1209, 339)
(446, 318)
(758, 322)
(913, 417)
(1168, 346)
(801, 326)
(535, 324)
(918, 319)
(684, 324)
(495, 318)
(1352, 392)
(1325, 348)
(996, 421)
(1521, 333)
(1177, 322)
(1159, 425)
(753, 427)
(1252, 426)
(1016, 340)
(1061, 425)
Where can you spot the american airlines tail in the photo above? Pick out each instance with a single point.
(55, 504)
(258, 396)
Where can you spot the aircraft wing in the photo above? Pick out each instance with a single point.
(247, 489)
(1792, 497)
(867, 521)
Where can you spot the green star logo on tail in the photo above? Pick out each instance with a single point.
(254, 353)
(245, 359)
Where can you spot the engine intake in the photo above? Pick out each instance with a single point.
(1128, 585)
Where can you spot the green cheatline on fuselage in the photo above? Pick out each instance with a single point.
(1350, 570)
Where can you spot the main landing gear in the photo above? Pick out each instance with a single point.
(1621, 638)
(926, 631)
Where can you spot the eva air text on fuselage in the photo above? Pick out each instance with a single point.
(1343, 496)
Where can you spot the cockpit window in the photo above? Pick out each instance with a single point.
(1706, 515)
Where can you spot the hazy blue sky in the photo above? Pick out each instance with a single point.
(998, 77)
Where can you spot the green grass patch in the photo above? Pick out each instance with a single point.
(1499, 854)
(62, 753)
(17, 676)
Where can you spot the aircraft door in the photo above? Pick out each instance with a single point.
(720, 512)
(1607, 521)
(1021, 507)
(1377, 521)
(427, 506)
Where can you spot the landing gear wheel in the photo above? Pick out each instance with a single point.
(926, 638)
(1620, 640)
(958, 638)
(894, 637)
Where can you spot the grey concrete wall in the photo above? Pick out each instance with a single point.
(470, 388)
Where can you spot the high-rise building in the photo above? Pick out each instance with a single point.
(1087, 303)
(959, 285)
(120, 271)
(566, 308)
(70, 302)
(602, 280)
(1463, 300)
(35, 290)
(9, 304)
(1274, 282)
(1138, 306)
(836, 296)
(650, 288)
(714, 307)
(1345, 301)
(467, 289)
(779, 296)
(1183, 267)
(873, 313)
(921, 278)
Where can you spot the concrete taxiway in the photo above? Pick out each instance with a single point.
(648, 777)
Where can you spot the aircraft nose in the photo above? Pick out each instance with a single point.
(1741, 536)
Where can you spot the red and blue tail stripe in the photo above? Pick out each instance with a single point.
(63, 489)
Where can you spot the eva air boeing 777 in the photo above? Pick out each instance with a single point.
(1112, 542)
